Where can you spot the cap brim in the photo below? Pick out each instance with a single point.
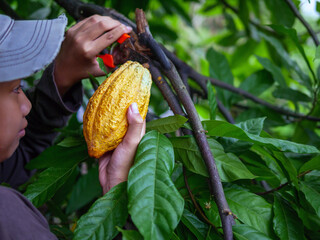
(28, 46)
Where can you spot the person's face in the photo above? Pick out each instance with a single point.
(14, 107)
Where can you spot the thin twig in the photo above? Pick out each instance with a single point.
(281, 186)
(261, 27)
(303, 21)
(194, 200)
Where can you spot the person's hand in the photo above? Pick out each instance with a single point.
(114, 166)
(83, 42)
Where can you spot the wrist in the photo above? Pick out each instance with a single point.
(61, 79)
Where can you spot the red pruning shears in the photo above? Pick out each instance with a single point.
(106, 55)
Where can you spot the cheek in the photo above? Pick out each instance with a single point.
(10, 124)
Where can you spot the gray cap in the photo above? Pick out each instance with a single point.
(27, 46)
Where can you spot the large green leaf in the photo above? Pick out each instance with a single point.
(288, 167)
(286, 222)
(290, 94)
(292, 33)
(253, 126)
(49, 181)
(282, 17)
(251, 209)
(287, 61)
(201, 230)
(257, 83)
(60, 157)
(167, 125)
(85, 190)
(229, 166)
(313, 164)
(242, 53)
(246, 232)
(225, 129)
(274, 70)
(270, 162)
(104, 216)
(155, 205)
(312, 194)
(130, 234)
(197, 227)
(219, 69)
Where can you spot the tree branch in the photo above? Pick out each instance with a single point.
(175, 79)
(281, 186)
(303, 21)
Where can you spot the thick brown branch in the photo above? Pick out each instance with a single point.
(215, 182)
(303, 21)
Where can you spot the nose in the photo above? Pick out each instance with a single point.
(25, 105)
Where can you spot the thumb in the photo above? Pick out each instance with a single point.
(136, 126)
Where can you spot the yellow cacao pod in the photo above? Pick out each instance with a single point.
(105, 120)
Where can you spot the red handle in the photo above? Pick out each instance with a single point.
(107, 60)
(123, 38)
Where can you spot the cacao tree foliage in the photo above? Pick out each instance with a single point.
(268, 160)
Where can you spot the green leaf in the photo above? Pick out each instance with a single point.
(50, 180)
(312, 194)
(250, 209)
(286, 222)
(197, 227)
(257, 83)
(229, 166)
(104, 215)
(290, 94)
(289, 168)
(284, 17)
(219, 69)
(242, 53)
(292, 33)
(274, 70)
(253, 126)
(58, 156)
(85, 190)
(155, 205)
(71, 142)
(167, 125)
(212, 101)
(286, 60)
(246, 232)
(313, 164)
(270, 162)
(224, 129)
(102, 66)
(130, 234)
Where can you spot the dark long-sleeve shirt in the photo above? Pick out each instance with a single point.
(19, 219)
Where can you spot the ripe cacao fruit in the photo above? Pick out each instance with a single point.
(105, 120)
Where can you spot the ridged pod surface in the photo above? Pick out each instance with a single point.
(105, 119)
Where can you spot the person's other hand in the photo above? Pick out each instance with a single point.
(114, 166)
(83, 42)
